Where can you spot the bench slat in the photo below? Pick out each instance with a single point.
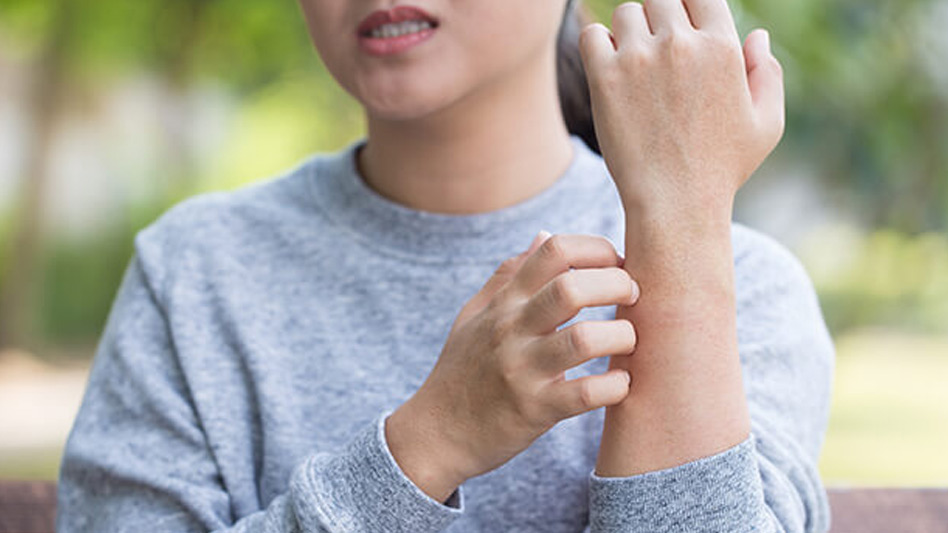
(889, 510)
(27, 506)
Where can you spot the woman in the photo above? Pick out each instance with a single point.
(282, 357)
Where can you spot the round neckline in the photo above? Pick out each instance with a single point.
(383, 224)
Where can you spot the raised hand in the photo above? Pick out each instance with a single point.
(682, 112)
(684, 115)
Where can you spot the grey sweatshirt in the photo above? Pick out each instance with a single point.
(260, 338)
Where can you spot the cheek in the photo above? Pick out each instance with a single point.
(340, 55)
(506, 38)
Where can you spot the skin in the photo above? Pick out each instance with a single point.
(685, 115)
(469, 122)
(465, 123)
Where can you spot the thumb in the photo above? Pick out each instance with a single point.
(765, 79)
(504, 273)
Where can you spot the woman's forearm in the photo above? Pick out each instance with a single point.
(687, 400)
(684, 114)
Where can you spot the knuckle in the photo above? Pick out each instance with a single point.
(587, 395)
(719, 41)
(636, 58)
(565, 291)
(579, 338)
(499, 329)
(584, 35)
(510, 371)
(498, 305)
(509, 265)
(587, 32)
(554, 249)
(676, 45)
(527, 403)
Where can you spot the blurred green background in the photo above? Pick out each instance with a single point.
(111, 111)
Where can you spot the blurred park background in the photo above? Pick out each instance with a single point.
(112, 111)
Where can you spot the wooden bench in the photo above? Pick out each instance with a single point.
(27, 506)
(30, 507)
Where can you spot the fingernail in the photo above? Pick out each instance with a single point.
(636, 292)
(538, 240)
(767, 38)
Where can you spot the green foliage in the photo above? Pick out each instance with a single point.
(268, 136)
(80, 277)
(25, 23)
(78, 283)
(862, 106)
(885, 278)
(863, 112)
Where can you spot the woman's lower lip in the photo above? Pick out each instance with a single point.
(394, 45)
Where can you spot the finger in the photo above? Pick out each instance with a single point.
(567, 294)
(577, 396)
(595, 45)
(666, 16)
(560, 253)
(765, 80)
(629, 24)
(581, 342)
(711, 15)
(504, 273)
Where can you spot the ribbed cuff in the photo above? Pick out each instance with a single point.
(722, 492)
(362, 489)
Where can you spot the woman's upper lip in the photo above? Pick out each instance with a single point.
(395, 14)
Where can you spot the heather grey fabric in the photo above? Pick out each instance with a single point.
(260, 337)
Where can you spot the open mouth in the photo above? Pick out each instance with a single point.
(398, 29)
(396, 22)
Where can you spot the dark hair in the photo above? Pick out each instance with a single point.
(571, 78)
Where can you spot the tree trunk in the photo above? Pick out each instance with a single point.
(19, 275)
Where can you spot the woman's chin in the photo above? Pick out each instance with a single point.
(400, 109)
(401, 101)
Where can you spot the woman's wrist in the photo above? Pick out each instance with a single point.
(684, 214)
(687, 241)
(419, 446)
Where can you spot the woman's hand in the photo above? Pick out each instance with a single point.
(683, 114)
(499, 382)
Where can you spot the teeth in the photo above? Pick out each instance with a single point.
(387, 31)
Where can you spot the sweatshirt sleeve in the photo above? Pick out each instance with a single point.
(769, 482)
(137, 458)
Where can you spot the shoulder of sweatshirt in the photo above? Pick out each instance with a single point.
(777, 303)
(760, 261)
